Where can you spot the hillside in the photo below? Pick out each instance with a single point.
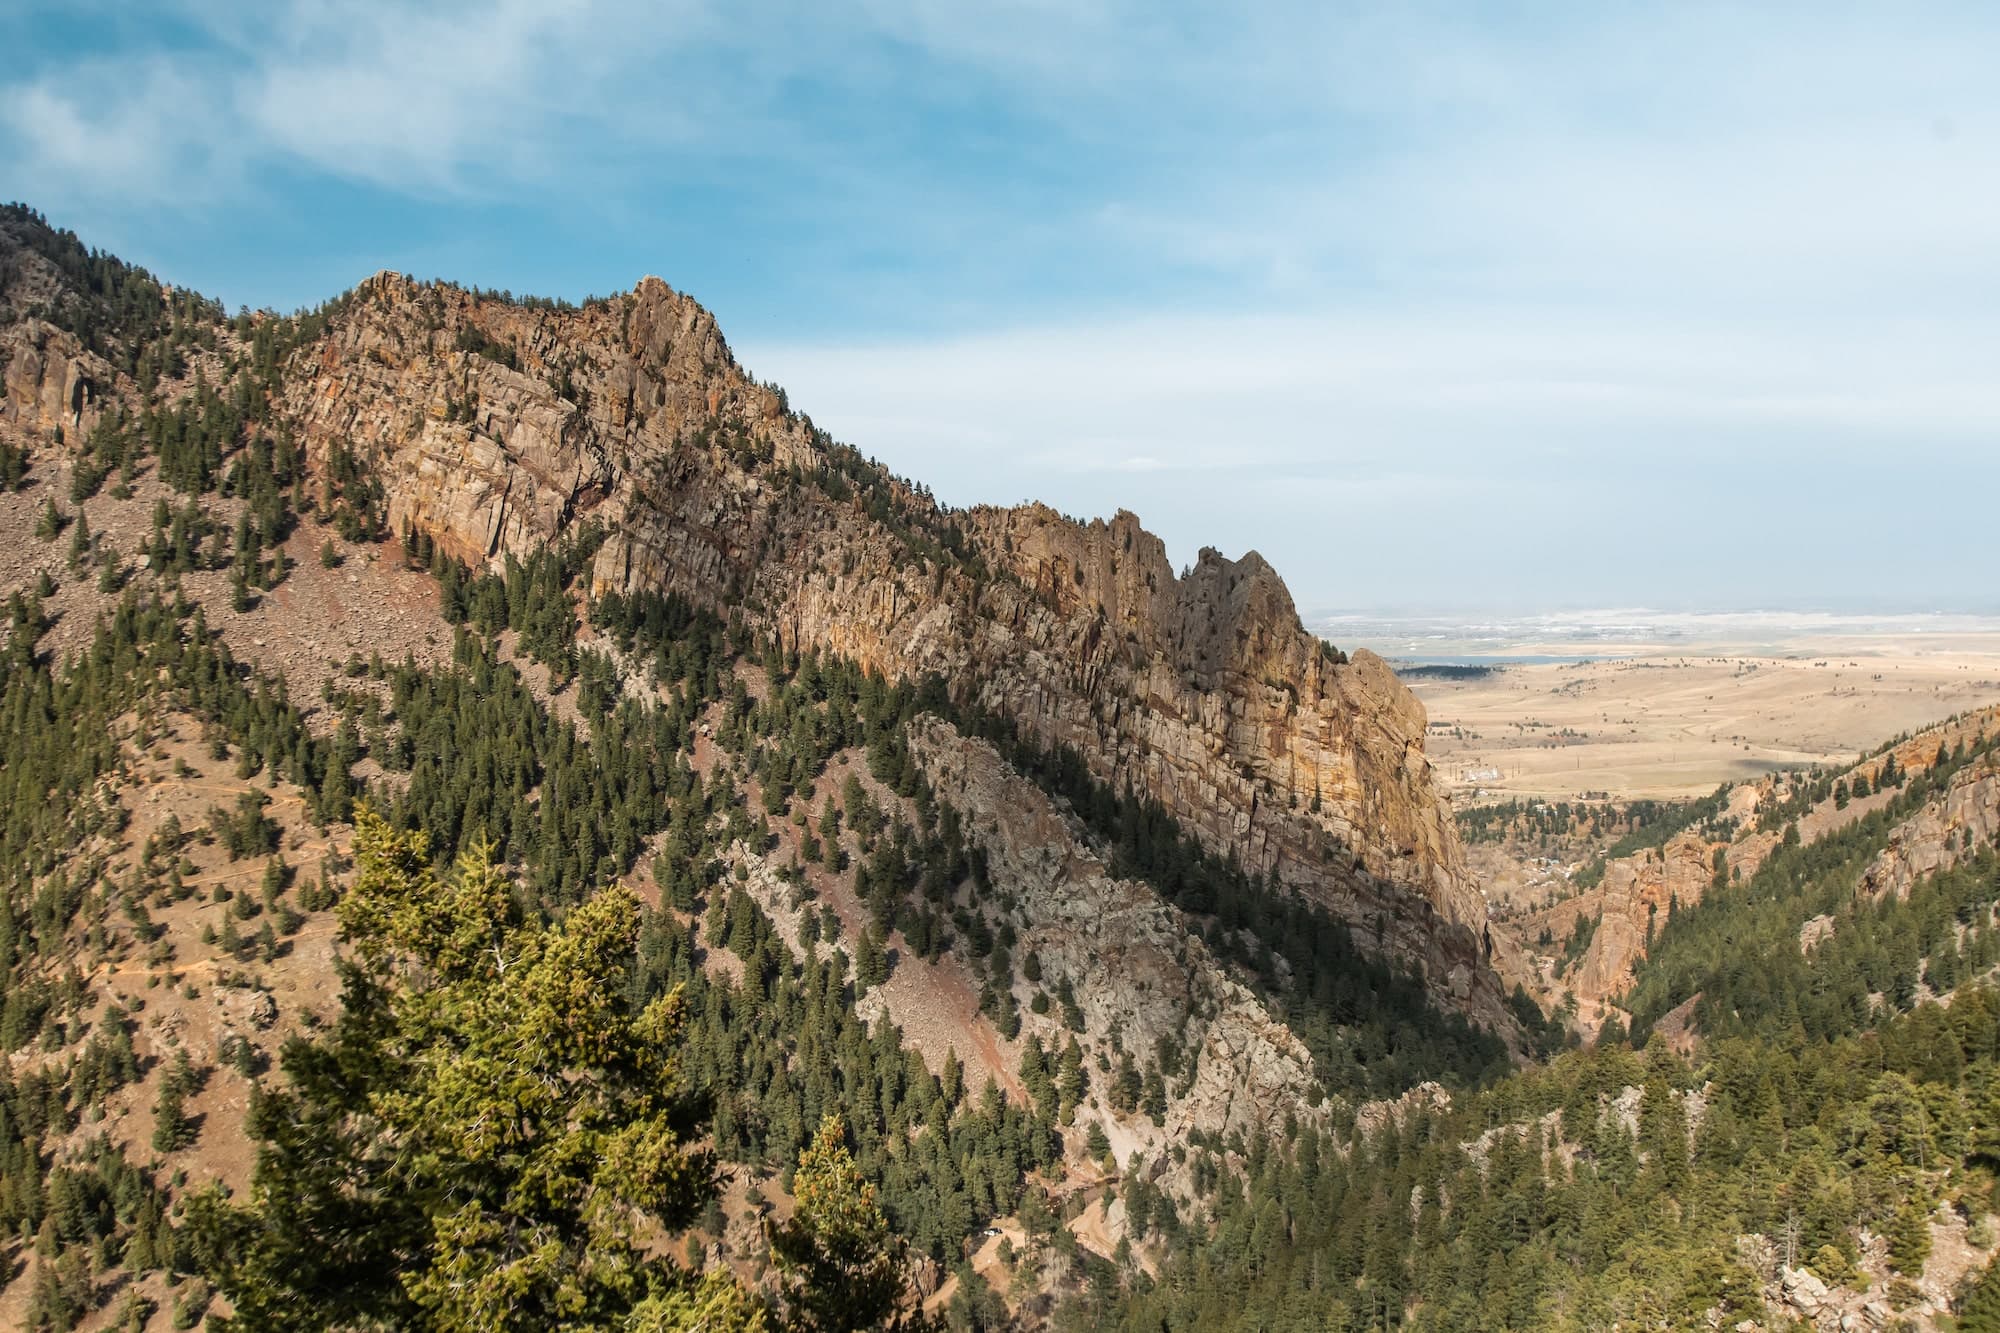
(508, 824)
(1915, 807)
(334, 501)
(496, 429)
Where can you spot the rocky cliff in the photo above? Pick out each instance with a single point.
(1636, 897)
(1140, 974)
(498, 428)
(1951, 827)
(51, 385)
(1641, 889)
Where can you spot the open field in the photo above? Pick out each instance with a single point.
(1676, 714)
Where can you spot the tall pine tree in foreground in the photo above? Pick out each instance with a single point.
(486, 1139)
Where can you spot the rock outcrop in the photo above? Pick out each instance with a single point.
(1641, 889)
(498, 428)
(1139, 972)
(1962, 820)
(51, 384)
(1638, 894)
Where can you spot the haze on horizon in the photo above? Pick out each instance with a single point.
(1570, 307)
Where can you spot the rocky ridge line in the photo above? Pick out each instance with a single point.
(499, 428)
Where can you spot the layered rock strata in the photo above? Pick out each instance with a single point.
(498, 428)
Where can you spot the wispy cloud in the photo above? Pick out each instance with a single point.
(1484, 288)
(424, 99)
(1470, 454)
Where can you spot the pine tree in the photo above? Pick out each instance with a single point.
(487, 1134)
(79, 540)
(1069, 1076)
(1909, 1235)
(1979, 1312)
(871, 961)
(13, 467)
(172, 1130)
(1096, 1142)
(952, 1080)
(839, 1267)
(50, 525)
(1126, 1084)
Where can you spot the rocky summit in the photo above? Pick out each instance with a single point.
(498, 429)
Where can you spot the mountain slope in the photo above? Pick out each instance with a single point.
(1631, 898)
(1078, 830)
(498, 428)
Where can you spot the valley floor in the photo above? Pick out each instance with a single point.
(1670, 721)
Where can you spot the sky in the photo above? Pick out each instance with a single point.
(1482, 307)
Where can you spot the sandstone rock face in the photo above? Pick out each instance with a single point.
(1139, 972)
(1219, 667)
(1952, 827)
(50, 383)
(498, 428)
(1636, 890)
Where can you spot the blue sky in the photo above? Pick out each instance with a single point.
(1438, 307)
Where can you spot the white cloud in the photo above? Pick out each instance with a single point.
(103, 129)
(1662, 451)
(1332, 267)
(426, 99)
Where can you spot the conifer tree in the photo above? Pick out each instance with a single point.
(50, 525)
(1979, 1312)
(487, 1135)
(839, 1268)
(172, 1130)
(79, 540)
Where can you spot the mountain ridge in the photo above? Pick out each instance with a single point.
(332, 481)
(497, 428)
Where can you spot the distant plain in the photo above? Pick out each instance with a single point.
(1669, 706)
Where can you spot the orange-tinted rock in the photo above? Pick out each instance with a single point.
(1203, 690)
